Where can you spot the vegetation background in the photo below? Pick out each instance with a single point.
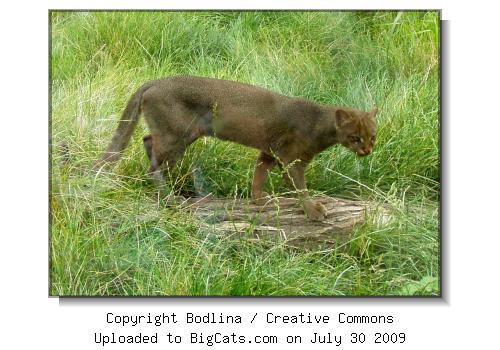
(111, 236)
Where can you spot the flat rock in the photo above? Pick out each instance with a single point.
(282, 219)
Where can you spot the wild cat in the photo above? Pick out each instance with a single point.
(288, 131)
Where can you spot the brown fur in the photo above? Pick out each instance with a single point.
(288, 131)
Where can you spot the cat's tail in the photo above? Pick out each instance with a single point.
(126, 126)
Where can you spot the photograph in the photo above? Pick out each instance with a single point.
(244, 153)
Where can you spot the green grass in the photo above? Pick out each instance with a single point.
(110, 236)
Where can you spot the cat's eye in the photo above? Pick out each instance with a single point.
(355, 138)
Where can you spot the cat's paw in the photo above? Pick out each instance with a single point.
(261, 199)
(172, 200)
(315, 210)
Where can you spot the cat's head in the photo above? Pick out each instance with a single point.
(356, 130)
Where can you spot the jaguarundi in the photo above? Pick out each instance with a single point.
(288, 131)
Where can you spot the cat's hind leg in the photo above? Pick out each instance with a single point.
(163, 156)
(154, 170)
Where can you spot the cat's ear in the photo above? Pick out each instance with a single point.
(374, 111)
(342, 117)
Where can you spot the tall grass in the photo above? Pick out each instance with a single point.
(110, 235)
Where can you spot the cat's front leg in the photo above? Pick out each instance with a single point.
(313, 209)
(265, 163)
